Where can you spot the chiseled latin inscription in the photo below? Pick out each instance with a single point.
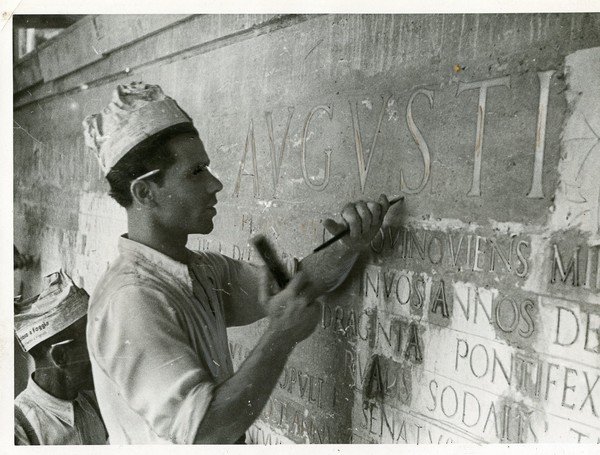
(589, 282)
(250, 144)
(246, 253)
(236, 251)
(393, 381)
(363, 159)
(300, 423)
(502, 311)
(247, 223)
(403, 336)
(314, 186)
(306, 386)
(400, 288)
(583, 329)
(541, 379)
(205, 244)
(420, 141)
(277, 158)
(392, 426)
(439, 301)
(345, 321)
(585, 435)
(456, 250)
(573, 267)
(572, 273)
(373, 387)
(536, 191)
(363, 169)
(508, 314)
(413, 346)
(483, 88)
(504, 420)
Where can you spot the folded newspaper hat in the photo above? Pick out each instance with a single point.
(59, 305)
(136, 112)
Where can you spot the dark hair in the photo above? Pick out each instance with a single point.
(150, 154)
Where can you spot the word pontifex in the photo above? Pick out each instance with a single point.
(364, 155)
(573, 386)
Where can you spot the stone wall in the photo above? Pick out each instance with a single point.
(476, 316)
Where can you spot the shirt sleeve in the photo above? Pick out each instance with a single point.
(239, 289)
(24, 432)
(137, 340)
(21, 438)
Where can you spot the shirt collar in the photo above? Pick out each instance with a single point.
(175, 268)
(63, 409)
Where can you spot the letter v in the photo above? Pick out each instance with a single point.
(363, 169)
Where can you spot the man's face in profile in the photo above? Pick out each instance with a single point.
(186, 200)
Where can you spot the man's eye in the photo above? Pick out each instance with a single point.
(198, 170)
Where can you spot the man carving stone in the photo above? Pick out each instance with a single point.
(158, 317)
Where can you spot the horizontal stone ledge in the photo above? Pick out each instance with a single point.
(181, 39)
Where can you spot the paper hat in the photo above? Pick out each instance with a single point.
(59, 305)
(136, 112)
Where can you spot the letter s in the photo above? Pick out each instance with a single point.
(433, 381)
(526, 308)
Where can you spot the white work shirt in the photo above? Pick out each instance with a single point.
(43, 419)
(158, 342)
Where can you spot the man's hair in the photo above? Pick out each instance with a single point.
(148, 155)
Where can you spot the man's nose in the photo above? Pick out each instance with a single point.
(216, 184)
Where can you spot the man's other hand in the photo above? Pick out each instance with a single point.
(293, 313)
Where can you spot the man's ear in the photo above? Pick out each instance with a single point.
(59, 355)
(141, 192)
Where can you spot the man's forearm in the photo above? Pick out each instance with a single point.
(326, 270)
(329, 267)
(239, 401)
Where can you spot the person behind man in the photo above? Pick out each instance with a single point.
(21, 261)
(158, 317)
(58, 405)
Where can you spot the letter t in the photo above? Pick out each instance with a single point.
(482, 86)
